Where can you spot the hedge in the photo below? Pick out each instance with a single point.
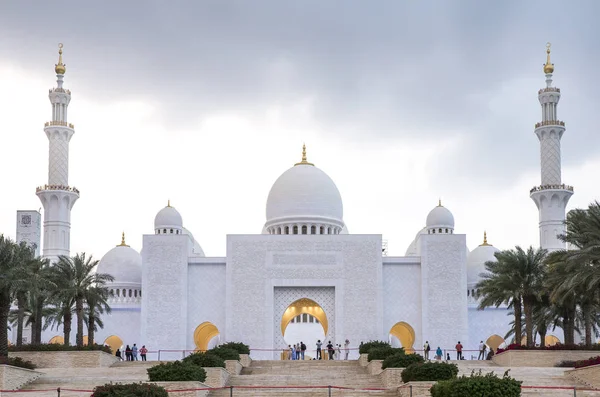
(55, 347)
(365, 347)
(17, 362)
(130, 390)
(478, 385)
(176, 371)
(401, 360)
(580, 363)
(225, 353)
(381, 353)
(429, 372)
(237, 346)
(558, 346)
(205, 360)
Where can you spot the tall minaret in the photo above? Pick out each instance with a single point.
(552, 196)
(57, 196)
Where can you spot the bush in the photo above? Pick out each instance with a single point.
(429, 372)
(477, 385)
(205, 360)
(401, 360)
(130, 390)
(558, 346)
(365, 347)
(176, 371)
(225, 353)
(55, 347)
(381, 353)
(17, 362)
(580, 363)
(237, 346)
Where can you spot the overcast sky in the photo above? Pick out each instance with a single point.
(206, 103)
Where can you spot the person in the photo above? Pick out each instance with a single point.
(297, 351)
(426, 350)
(347, 348)
(339, 351)
(290, 353)
(128, 353)
(490, 354)
(118, 355)
(459, 348)
(319, 344)
(294, 352)
(438, 353)
(330, 350)
(134, 352)
(482, 348)
(143, 352)
(447, 356)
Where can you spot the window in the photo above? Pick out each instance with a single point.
(316, 321)
(171, 231)
(130, 293)
(322, 231)
(304, 229)
(135, 293)
(440, 230)
(287, 230)
(446, 230)
(124, 292)
(305, 318)
(298, 318)
(311, 319)
(118, 292)
(295, 229)
(433, 231)
(140, 293)
(313, 230)
(112, 292)
(164, 231)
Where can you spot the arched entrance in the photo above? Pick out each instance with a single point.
(204, 334)
(304, 320)
(551, 340)
(494, 342)
(403, 335)
(59, 340)
(114, 342)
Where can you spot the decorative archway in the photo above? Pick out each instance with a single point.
(203, 335)
(114, 342)
(405, 334)
(494, 341)
(551, 340)
(59, 340)
(301, 306)
(85, 340)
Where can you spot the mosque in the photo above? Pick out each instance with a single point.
(305, 276)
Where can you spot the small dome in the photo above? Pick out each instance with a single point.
(477, 258)
(168, 218)
(344, 230)
(123, 263)
(440, 217)
(196, 248)
(412, 249)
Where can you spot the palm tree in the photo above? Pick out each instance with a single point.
(96, 299)
(79, 276)
(24, 255)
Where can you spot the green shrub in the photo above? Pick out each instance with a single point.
(130, 390)
(17, 362)
(55, 347)
(478, 385)
(401, 360)
(205, 360)
(176, 371)
(429, 372)
(237, 346)
(381, 353)
(225, 353)
(365, 347)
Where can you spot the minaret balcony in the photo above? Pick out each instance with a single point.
(550, 122)
(61, 123)
(59, 89)
(57, 187)
(549, 89)
(551, 187)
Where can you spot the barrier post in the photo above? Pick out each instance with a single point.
(58, 391)
(329, 388)
(410, 390)
(230, 391)
(575, 391)
(159, 355)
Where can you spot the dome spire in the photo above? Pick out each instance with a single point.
(548, 67)
(304, 161)
(169, 203)
(485, 242)
(122, 241)
(60, 68)
(440, 202)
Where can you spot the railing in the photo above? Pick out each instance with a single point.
(58, 89)
(551, 187)
(62, 123)
(57, 187)
(549, 89)
(549, 122)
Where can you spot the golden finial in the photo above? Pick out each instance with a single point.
(439, 202)
(60, 67)
(168, 203)
(548, 67)
(304, 162)
(485, 242)
(122, 241)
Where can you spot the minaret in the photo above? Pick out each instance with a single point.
(552, 196)
(57, 196)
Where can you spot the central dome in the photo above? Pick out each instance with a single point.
(305, 196)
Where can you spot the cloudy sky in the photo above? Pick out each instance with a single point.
(206, 103)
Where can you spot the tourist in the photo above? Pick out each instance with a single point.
(134, 352)
(118, 355)
(459, 348)
(438, 353)
(290, 353)
(347, 347)
(426, 350)
(128, 353)
(319, 344)
(330, 350)
(143, 352)
(339, 351)
(297, 351)
(294, 352)
(482, 348)
(302, 349)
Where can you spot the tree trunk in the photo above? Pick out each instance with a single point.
(542, 334)
(4, 310)
(518, 325)
(91, 324)
(20, 318)
(528, 309)
(67, 318)
(587, 319)
(39, 320)
(569, 325)
(79, 314)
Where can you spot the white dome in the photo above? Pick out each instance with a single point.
(440, 217)
(345, 230)
(168, 218)
(476, 261)
(123, 263)
(304, 193)
(412, 249)
(196, 249)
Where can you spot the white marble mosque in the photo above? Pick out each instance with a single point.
(306, 276)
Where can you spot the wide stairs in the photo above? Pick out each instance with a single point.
(304, 375)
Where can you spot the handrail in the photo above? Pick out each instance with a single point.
(562, 186)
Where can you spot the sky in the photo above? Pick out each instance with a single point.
(206, 103)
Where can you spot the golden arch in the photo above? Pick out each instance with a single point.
(494, 341)
(551, 340)
(114, 342)
(59, 340)
(301, 306)
(405, 334)
(203, 334)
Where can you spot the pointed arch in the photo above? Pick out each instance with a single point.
(405, 334)
(304, 305)
(59, 340)
(203, 335)
(551, 340)
(494, 341)
(114, 342)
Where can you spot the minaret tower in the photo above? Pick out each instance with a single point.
(552, 196)
(57, 196)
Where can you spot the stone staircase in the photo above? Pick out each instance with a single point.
(304, 374)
